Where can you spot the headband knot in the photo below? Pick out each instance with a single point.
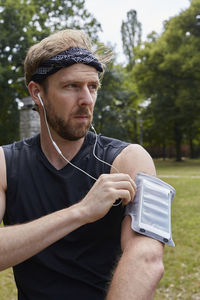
(65, 59)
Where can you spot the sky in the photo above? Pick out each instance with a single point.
(151, 13)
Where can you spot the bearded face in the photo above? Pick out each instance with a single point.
(72, 129)
(69, 99)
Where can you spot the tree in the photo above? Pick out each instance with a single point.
(22, 23)
(131, 32)
(114, 109)
(168, 72)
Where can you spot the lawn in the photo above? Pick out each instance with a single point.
(7, 285)
(182, 273)
(181, 280)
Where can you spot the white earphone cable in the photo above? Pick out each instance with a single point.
(61, 154)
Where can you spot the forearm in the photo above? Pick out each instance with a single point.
(138, 272)
(20, 242)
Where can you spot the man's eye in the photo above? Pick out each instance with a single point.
(71, 85)
(94, 87)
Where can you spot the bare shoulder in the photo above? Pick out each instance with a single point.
(134, 159)
(3, 183)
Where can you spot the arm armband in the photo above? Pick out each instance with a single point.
(151, 209)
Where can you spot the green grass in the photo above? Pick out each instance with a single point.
(181, 280)
(184, 168)
(182, 273)
(7, 286)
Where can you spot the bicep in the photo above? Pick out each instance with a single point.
(2, 184)
(134, 159)
(128, 236)
(132, 240)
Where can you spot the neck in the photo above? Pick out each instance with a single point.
(68, 148)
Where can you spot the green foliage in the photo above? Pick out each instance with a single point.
(22, 23)
(167, 72)
(131, 32)
(114, 113)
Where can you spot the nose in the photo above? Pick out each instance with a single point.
(85, 96)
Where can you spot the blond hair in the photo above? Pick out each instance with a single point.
(56, 43)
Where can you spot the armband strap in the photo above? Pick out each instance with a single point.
(151, 209)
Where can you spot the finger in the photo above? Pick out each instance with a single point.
(125, 185)
(125, 196)
(134, 187)
(116, 176)
(124, 177)
(134, 184)
(119, 181)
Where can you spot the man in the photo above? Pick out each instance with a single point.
(59, 194)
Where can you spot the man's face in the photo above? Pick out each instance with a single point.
(70, 100)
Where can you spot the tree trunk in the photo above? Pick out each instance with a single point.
(164, 150)
(178, 140)
(135, 129)
(192, 151)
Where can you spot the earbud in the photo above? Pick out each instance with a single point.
(39, 97)
(92, 127)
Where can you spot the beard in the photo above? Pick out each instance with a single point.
(67, 129)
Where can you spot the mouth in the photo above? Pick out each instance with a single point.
(82, 117)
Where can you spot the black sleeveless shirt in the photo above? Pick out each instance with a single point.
(77, 267)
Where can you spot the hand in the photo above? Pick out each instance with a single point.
(106, 190)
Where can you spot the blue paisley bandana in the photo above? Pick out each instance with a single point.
(65, 59)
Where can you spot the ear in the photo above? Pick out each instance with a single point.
(34, 88)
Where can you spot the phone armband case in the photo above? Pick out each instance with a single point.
(151, 208)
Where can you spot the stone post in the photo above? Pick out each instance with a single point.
(29, 119)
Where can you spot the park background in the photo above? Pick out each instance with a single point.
(151, 98)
